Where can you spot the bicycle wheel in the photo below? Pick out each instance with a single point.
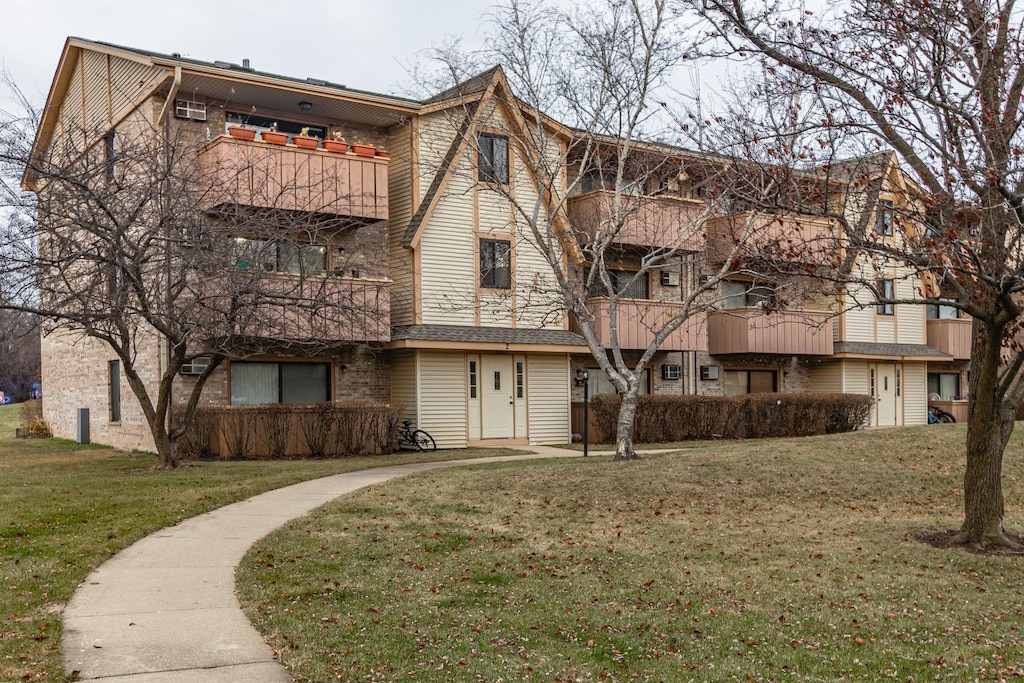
(423, 441)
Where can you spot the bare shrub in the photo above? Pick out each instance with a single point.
(317, 426)
(195, 441)
(275, 422)
(238, 429)
(32, 423)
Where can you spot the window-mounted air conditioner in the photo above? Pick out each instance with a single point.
(195, 366)
(186, 109)
(671, 371)
(670, 278)
(709, 372)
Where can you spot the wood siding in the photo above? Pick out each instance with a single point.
(750, 330)
(548, 398)
(639, 320)
(952, 335)
(801, 239)
(647, 221)
(442, 397)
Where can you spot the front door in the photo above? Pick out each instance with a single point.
(885, 395)
(497, 406)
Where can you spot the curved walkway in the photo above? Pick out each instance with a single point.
(164, 609)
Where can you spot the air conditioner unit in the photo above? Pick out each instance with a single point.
(195, 366)
(186, 109)
(671, 371)
(709, 372)
(670, 278)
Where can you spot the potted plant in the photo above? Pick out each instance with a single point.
(381, 152)
(242, 132)
(305, 140)
(364, 150)
(337, 143)
(273, 136)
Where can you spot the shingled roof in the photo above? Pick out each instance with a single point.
(487, 335)
(913, 351)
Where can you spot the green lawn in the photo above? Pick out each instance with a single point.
(64, 509)
(786, 560)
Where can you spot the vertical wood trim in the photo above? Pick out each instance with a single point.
(417, 285)
(414, 165)
(110, 94)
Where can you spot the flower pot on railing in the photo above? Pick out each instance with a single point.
(382, 152)
(274, 137)
(364, 150)
(306, 141)
(338, 146)
(242, 133)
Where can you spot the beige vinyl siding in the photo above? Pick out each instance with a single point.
(910, 318)
(915, 393)
(443, 397)
(399, 214)
(71, 112)
(859, 322)
(97, 110)
(436, 132)
(855, 377)
(448, 259)
(547, 378)
(404, 384)
(827, 378)
(130, 82)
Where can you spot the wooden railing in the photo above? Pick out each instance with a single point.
(254, 173)
(751, 330)
(656, 221)
(771, 238)
(640, 319)
(952, 335)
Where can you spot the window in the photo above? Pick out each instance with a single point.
(598, 382)
(472, 379)
(941, 312)
(738, 382)
(620, 279)
(114, 389)
(274, 257)
(492, 159)
(945, 385)
(269, 382)
(520, 377)
(496, 264)
(109, 156)
(883, 217)
(885, 292)
(738, 294)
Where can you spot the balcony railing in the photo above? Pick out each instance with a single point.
(771, 238)
(751, 330)
(286, 177)
(952, 335)
(640, 319)
(656, 221)
(277, 306)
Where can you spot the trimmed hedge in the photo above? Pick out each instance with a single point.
(662, 419)
(272, 431)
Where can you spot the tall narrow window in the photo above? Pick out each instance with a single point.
(883, 217)
(492, 159)
(886, 293)
(109, 156)
(114, 389)
(520, 384)
(472, 379)
(496, 264)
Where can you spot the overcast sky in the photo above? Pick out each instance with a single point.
(365, 44)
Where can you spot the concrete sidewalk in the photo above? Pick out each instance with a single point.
(164, 609)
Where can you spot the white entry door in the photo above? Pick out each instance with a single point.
(497, 392)
(885, 395)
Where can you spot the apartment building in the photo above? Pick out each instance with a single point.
(455, 314)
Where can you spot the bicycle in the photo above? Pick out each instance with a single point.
(415, 438)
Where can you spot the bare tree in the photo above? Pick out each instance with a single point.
(141, 240)
(939, 83)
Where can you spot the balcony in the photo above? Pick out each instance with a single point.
(952, 335)
(257, 174)
(771, 238)
(650, 221)
(640, 319)
(277, 306)
(788, 333)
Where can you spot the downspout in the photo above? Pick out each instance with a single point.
(175, 85)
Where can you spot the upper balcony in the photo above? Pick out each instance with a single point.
(771, 238)
(788, 333)
(640, 319)
(255, 173)
(325, 308)
(952, 335)
(648, 221)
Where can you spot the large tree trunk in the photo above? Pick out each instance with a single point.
(989, 427)
(167, 456)
(624, 429)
